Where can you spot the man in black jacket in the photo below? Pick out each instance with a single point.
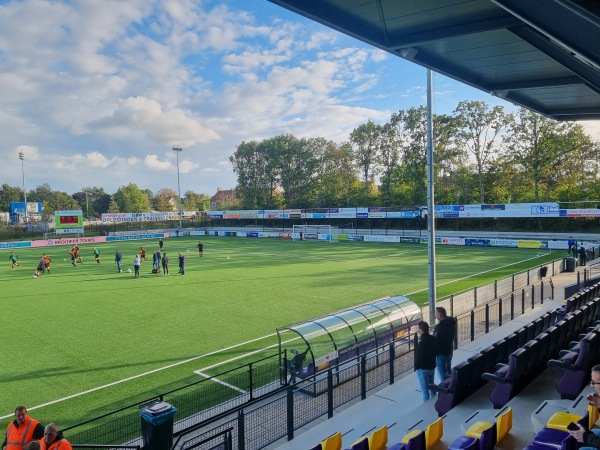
(590, 438)
(444, 332)
(424, 359)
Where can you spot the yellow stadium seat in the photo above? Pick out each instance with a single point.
(594, 415)
(504, 423)
(409, 436)
(434, 433)
(561, 419)
(333, 442)
(378, 440)
(476, 429)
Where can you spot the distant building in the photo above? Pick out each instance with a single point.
(222, 198)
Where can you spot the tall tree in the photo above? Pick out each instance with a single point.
(166, 200)
(365, 140)
(196, 202)
(131, 199)
(9, 194)
(479, 134)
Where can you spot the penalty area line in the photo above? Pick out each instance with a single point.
(150, 372)
(216, 380)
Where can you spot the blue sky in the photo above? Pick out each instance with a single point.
(97, 92)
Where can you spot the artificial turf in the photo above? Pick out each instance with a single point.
(81, 328)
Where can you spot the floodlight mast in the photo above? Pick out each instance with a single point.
(22, 158)
(178, 150)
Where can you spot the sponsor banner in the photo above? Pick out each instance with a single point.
(530, 244)
(355, 237)
(215, 215)
(325, 359)
(393, 239)
(226, 233)
(134, 237)
(586, 212)
(478, 242)
(295, 235)
(402, 214)
(273, 216)
(558, 245)
(450, 214)
(197, 233)
(343, 215)
(342, 237)
(241, 234)
(68, 230)
(362, 215)
(18, 244)
(504, 242)
(70, 241)
(497, 207)
(252, 234)
(309, 236)
(377, 215)
(263, 234)
(232, 216)
(285, 235)
(410, 240)
(453, 241)
(139, 217)
(449, 208)
(323, 236)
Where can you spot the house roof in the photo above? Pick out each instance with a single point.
(223, 195)
(543, 55)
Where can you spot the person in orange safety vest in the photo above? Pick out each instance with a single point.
(53, 439)
(22, 430)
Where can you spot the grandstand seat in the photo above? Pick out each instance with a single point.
(434, 433)
(509, 379)
(490, 355)
(513, 344)
(501, 352)
(415, 440)
(538, 326)
(320, 447)
(454, 389)
(568, 443)
(361, 444)
(484, 440)
(478, 367)
(378, 439)
(333, 442)
(574, 375)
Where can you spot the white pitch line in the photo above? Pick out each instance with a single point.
(475, 274)
(68, 397)
(216, 380)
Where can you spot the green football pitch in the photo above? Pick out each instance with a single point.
(87, 340)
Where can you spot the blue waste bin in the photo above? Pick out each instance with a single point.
(157, 425)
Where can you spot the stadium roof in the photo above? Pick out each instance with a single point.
(543, 55)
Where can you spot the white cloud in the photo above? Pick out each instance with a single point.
(152, 162)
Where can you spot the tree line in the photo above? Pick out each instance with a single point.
(94, 201)
(482, 154)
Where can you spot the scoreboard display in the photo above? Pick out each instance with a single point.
(68, 221)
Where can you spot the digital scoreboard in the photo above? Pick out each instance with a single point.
(68, 221)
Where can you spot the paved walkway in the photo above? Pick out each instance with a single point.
(399, 405)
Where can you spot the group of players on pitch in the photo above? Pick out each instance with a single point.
(76, 258)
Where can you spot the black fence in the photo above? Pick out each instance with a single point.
(196, 402)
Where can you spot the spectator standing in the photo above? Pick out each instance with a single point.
(22, 430)
(582, 255)
(165, 264)
(181, 263)
(119, 260)
(425, 349)
(53, 439)
(444, 332)
(200, 248)
(137, 262)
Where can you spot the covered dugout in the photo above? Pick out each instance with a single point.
(311, 346)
